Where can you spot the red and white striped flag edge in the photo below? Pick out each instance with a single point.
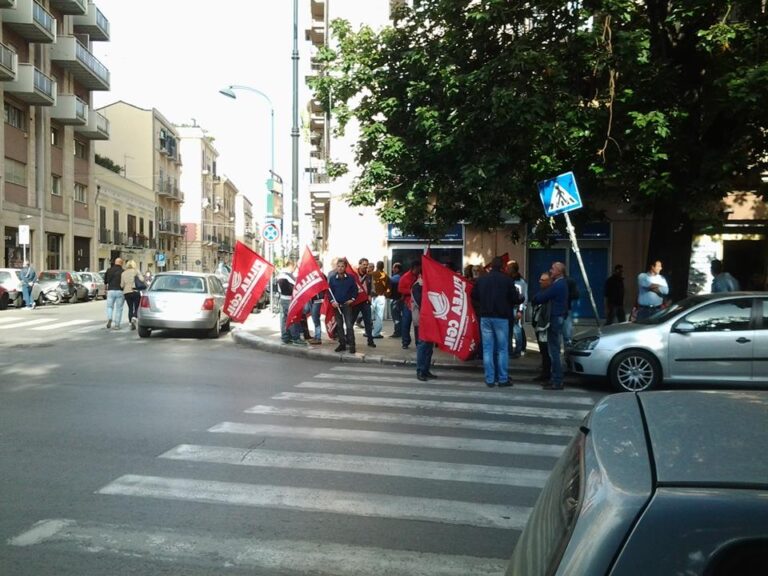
(250, 276)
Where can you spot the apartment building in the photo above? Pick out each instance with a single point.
(146, 145)
(125, 222)
(47, 75)
(245, 226)
(208, 215)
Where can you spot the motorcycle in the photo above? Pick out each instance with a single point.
(52, 294)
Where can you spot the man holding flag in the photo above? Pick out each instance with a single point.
(342, 291)
(309, 282)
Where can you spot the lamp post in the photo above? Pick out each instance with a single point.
(229, 92)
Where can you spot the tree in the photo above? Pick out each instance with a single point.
(463, 106)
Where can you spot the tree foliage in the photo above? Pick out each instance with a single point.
(463, 105)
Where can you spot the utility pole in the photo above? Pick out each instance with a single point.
(295, 138)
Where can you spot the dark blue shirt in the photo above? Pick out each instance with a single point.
(557, 293)
(496, 295)
(342, 289)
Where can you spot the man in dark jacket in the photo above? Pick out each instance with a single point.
(497, 299)
(557, 294)
(614, 296)
(343, 292)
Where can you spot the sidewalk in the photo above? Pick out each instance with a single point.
(262, 331)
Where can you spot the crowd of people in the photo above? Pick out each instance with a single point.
(500, 297)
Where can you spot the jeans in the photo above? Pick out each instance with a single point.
(379, 303)
(519, 335)
(405, 327)
(287, 333)
(133, 299)
(364, 309)
(115, 301)
(345, 326)
(26, 294)
(568, 323)
(495, 335)
(554, 340)
(424, 356)
(315, 311)
(396, 309)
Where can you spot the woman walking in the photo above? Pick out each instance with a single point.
(132, 283)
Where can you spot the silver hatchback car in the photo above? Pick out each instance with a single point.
(713, 338)
(183, 301)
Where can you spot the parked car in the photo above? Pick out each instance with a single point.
(713, 338)
(62, 284)
(4, 298)
(94, 283)
(183, 301)
(10, 279)
(668, 482)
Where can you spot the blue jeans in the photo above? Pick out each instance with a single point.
(290, 333)
(554, 339)
(519, 335)
(315, 311)
(379, 303)
(495, 336)
(397, 318)
(424, 356)
(568, 324)
(115, 301)
(405, 326)
(26, 294)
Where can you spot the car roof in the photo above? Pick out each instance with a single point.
(186, 273)
(708, 437)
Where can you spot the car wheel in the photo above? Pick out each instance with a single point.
(19, 302)
(227, 326)
(4, 301)
(144, 332)
(634, 371)
(40, 300)
(73, 299)
(215, 332)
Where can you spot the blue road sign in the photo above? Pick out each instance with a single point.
(560, 194)
(270, 233)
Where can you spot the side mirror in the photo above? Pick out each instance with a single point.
(684, 327)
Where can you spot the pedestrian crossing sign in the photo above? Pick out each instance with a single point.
(560, 194)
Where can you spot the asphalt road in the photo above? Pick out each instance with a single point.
(180, 455)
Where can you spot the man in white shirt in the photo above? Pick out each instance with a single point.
(651, 289)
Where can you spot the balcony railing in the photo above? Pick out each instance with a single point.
(70, 6)
(8, 59)
(105, 236)
(33, 22)
(70, 109)
(32, 86)
(93, 23)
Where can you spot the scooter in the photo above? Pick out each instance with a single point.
(52, 294)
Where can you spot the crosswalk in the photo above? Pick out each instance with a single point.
(36, 324)
(364, 446)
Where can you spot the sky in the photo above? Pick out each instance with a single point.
(175, 56)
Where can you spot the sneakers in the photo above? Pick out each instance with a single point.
(109, 324)
(133, 323)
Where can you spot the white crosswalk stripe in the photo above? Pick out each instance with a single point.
(383, 433)
(63, 324)
(25, 323)
(258, 555)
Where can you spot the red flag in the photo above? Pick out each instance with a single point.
(362, 293)
(329, 312)
(310, 281)
(250, 275)
(446, 314)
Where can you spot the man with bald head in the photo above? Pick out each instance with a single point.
(557, 295)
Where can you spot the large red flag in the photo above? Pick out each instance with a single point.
(362, 293)
(309, 282)
(329, 312)
(250, 275)
(446, 316)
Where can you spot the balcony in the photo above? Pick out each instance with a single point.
(8, 60)
(31, 21)
(32, 86)
(7, 3)
(71, 110)
(169, 227)
(93, 23)
(97, 127)
(316, 34)
(75, 7)
(105, 236)
(71, 55)
(319, 188)
(318, 9)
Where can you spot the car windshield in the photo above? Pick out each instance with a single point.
(664, 314)
(53, 276)
(178, 284)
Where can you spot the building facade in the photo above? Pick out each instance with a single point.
(47, 76)
(146, 145)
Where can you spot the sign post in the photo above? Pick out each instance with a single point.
(24, 240)
(560, 195)
(271, 234)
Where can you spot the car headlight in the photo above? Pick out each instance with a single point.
(588, 343)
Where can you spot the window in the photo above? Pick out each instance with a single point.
(116, 221)
(56, 185)
(15, 172)
(81, 193)
(81, 149)
(15, 116)
(53, 259)
(727, 316)
(55, 136)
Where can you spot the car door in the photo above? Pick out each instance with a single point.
(713, 343)
(760, 358)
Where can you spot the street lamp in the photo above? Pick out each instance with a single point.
(229, 92)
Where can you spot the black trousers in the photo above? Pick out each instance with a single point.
(345, 326)
(546, 361)
(365, 310)
(133, 299)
